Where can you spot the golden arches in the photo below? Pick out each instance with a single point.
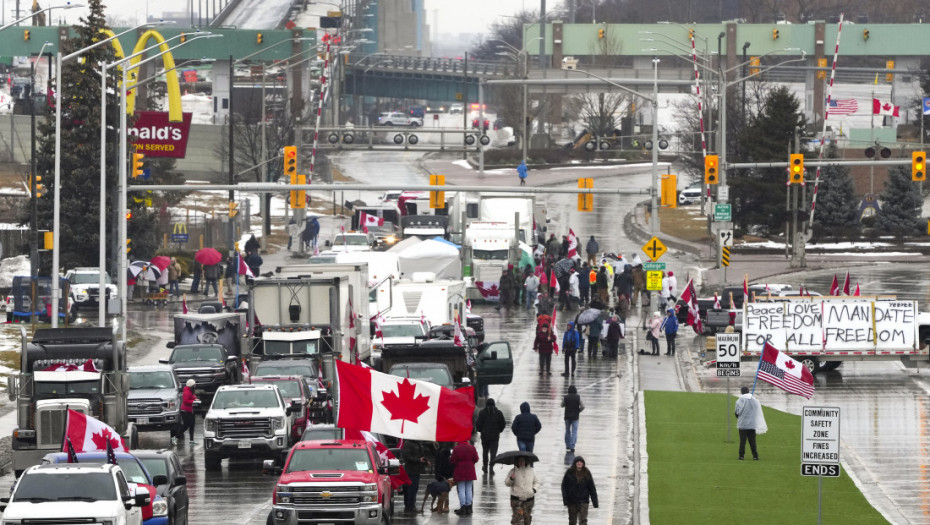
(174, 87)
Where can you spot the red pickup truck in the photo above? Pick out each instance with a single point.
(334, 481)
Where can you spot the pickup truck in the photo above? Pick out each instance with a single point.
(248, 420)
(209, 365)
(334, 481)
(73, 493)
(154, 397)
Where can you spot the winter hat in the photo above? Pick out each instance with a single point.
(510, 267)
(191, 383)
(572, 270)
(671, 273)
(656, 314)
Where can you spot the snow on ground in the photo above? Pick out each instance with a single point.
(11, 267)
(830, 246)
(258, 14)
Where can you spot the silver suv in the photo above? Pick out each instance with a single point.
(85, 285)
(396, 118)
(154, 397)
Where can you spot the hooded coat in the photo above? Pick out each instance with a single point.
(526, 425)
(578, 486)
(571, 340)
(464, 457)
(572, 404)
(544, 342)
(490, 421)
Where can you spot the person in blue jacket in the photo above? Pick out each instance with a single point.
(570, 343)
(670, 325)
(522, 171)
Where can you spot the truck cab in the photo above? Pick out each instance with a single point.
(334, 481)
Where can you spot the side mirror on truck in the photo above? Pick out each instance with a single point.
(171, 344)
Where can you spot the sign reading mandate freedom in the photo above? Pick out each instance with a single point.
(831, 325)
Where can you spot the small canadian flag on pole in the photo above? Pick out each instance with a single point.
(87, 434)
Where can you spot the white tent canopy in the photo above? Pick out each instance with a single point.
(432, 255)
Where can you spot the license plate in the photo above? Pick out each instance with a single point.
(142, 421)
(245, 444)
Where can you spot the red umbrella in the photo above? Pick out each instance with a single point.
(208, 256)
(161, 262)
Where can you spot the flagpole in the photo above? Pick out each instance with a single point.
(236, 300)
(758, 367)
(872, 140)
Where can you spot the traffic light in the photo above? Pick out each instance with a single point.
(290, 162)
(775, 34)
(137, 165)
(39, 188)
(755, 65)
(128, 215)
(889, 77)
(298, 197)
(600, 33)
(183, 37)
(711, 169)
(796, 168)
(258, 38)
(26, 35)
(48, 239)
(691, 34)
(919, 166)
(585, 200)
(232, 209)
(865, 34)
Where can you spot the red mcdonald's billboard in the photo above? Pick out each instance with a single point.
(156, 136)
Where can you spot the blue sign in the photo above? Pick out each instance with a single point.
(179, 237)
(927, 106)
(146, 174)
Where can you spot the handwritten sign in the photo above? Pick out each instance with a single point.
(831, 325)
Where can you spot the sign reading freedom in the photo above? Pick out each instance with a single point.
(156, 136)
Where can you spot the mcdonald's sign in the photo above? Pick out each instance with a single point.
(156, 133)
(180, 232)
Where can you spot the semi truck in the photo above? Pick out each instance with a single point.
(82, 369)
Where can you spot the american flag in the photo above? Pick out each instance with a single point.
(842, 106)
(787, 374)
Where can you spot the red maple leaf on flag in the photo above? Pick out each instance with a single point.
(405, 405)
(100, 440)
(789, 364)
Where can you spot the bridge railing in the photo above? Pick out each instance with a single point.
(456, 66)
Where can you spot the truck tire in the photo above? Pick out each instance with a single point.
(829, 365)
(811, 363)
(212, 461)
(270, 520)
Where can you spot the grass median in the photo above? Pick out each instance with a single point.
(695, 477)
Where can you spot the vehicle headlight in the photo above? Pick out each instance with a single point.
(172, 404)
(277, 422)
(376, 346)
(373, 489)
(283, 494)
(209, 425)
(160, 508)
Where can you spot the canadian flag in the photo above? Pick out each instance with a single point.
(87, 434)
(458, 337)
(402, 407)
(716, 302)
(88, 366)
(244, 268)
(884, 108)
(846, 284)
(856, 293)
(554, 284)
(398, 480)
(572, 244)
(365, 220)
(246, 375)
(689, 297)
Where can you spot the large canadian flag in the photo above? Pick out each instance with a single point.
(90, 435)
(365, 220)
(402, 407)
(572, 245)
(884, 108)
(244, 268)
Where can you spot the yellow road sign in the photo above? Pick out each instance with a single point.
(437, 199)
(725, 256)
(654, 248)
(653, 281)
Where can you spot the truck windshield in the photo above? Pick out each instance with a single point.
(353, 240)
(65, 486)
(289, 389)
(183, 354)
(402, 330)
(283, 368)
(148, 380)
(64, 387)
(490, 255)
(309, 347)
(89, 278)
(132, 469)
(245, 399)
(354, 459)
(439, 376)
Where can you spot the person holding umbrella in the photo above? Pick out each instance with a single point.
(523, 484)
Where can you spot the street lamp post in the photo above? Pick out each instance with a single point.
(67, 5)
(33, 184)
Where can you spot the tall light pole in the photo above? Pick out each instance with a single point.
(67, 5)
(33, 184)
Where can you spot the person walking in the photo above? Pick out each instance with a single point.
(543, 304)
(415, 464)
(187, 413)
(670, 325)
(584, 284)
(570, 342)
(232, 273)
(574, 288)
(552, 246)
(750, 421)
(614, 335)
(645, 307)
(602, 287)
(522, 172)
(506, 288)
(623, 306)
(490, 424)
(531, 285)
(174, 278)
(523, 484)
(578, 491)
(591, 248)
(525, 427)
(254, 261)
(654, 332)
(639, 282)
(210, 274)
(464, 458)
(544, 345)
(573, 408)
(594, 336)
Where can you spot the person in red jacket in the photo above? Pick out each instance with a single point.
(544, 345)
(187, 412)
(464, 458)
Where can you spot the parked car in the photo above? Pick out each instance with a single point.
(689, 196)
(85, 284)
(417, 112)
(174, 490)
(154, 397)
(292, 388)
(351, 241)
(397, 118)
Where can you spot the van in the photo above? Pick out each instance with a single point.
(689, 196)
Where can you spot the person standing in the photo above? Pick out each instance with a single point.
(584, 285)
(187, 412)
(232, 273)
(639, 282)
(602, 286)
(506, 288)
(591, 249)
(195, 284)
(415, 463)
(573, 408)
(525, 427)
(614, 335)
(210, 274)
(174, 278)
(523, 484)
(574, 288)
(623, 306)
(552, 246)
(577, 491)
(544, 345)
(254, 261)
(522, 172)
(670, 325)
(655, 331)
(749, 421)
(570, 342)
(531, 285)
(464, 458)
(543, 304)
(490, 424)
(594, 335)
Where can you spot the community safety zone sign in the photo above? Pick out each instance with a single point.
(831, 325)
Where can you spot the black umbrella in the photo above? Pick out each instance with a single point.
(510, 457)
(563, 267)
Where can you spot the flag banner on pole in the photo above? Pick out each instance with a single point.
(370, 220)
(554, 284)
(689, 296)
(244, 268)
(398, 480)
(86, 434)
(778, 369)
(572, 245)
(856, 293)
(554, 329)
(745, 290)
(846, 284)
(402, 407)
(926, 106)
(835, 286)
(880, 107)
(717, 302)
(842, 106)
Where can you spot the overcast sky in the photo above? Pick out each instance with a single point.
(453, 16)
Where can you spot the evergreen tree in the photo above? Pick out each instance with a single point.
(900, 205)
(837, 208)
(80, 155)
(758, 195)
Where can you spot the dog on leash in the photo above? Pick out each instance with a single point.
(439, 491)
